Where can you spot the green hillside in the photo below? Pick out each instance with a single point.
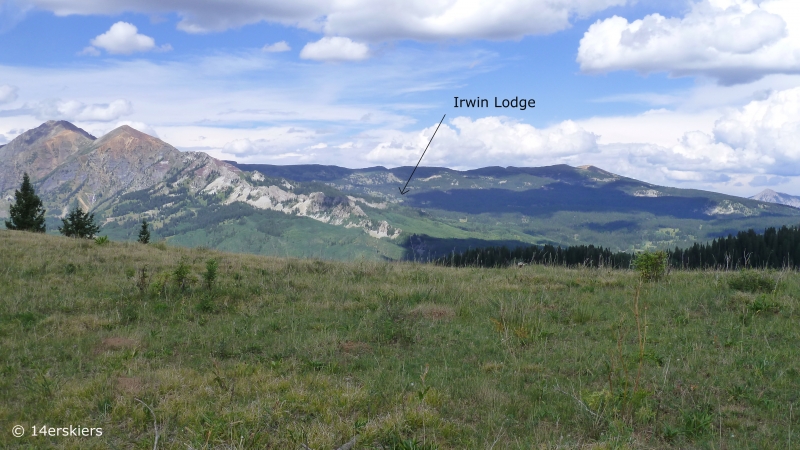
(446, 211)
(560, 205)
(301, 353)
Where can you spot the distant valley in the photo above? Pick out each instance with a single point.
(332, 212)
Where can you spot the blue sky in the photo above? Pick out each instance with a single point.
(702, 93)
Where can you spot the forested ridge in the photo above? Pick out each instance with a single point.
(774, 249)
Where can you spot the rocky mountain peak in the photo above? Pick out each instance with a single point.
(770, 196)
(40, 150)
(126, 133)
(62, 125)
(766, 193)
(50, 130)
(596, 169)
(125, 142)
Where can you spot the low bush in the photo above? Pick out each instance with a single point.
(652, 266)
(181, 274)
(752, 281)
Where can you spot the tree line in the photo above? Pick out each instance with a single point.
(575, 255)
(776, 248)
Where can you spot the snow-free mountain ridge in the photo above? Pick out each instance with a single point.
(69, 166)
(770, 196)
(192, 199)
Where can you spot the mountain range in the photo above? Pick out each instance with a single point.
(193, 199)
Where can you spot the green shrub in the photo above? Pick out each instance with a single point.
(696, 423)
(763, 303)
(159, 285)
(181, 274)
(210, 274)
(206, 304)
(102, 240)
(752, 281)
(652, 266)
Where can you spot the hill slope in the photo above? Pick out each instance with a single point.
(284, 352)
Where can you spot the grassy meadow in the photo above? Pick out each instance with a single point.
(295, 354)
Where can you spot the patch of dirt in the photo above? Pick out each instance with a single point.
(355, 347)
(129, 385)
(433, 312)
(116, 343)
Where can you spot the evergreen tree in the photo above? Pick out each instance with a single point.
(79, 224)
(27, 212)
(144, 233)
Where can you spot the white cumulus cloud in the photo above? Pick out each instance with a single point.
(754, 145)
(76, 110)
(274, 143)
(281, 46)
(8, 93)
(335, 49)
(123, 38)
(489, 141)
(457, 19)
(734, 41)
(657, 126)
(369, 20)
(765, 132)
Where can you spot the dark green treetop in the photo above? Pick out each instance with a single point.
(27, 212)
(79, 224)
(144, 233)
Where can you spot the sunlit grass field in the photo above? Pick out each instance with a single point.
(295, 354)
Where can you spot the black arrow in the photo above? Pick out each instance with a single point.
(403, 190)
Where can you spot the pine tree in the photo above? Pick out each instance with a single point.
(79, 224)
(27, 212)
(144, 233)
